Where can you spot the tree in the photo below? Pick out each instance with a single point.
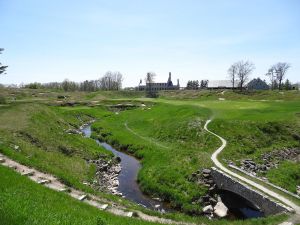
(203, 84)
(149, 79)
(192, 85)
(280, 69)
(232, 72)
(272, 76)
(288, 85)
(111, 81)
(2, 68)
(244, 69)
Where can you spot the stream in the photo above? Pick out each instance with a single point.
(128, 185)
(239, 208)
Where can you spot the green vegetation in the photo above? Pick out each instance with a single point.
(35, 134)
(165, 133)
(27, 203)
(172, 144)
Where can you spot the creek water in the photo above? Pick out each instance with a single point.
(239, 208)
(128, 185)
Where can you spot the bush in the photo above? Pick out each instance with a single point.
(2, 100)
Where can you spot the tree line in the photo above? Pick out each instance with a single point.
(241, 70)
(109, 82)
(195, 84)
(2, 67)
(239, 74)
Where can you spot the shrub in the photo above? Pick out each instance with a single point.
(2, 100)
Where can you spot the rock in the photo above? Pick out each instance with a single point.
(2, 160)
(206, 175)
(220, 210)
(129, 214)
(207, 209)
(104, 206)
(205, 198)
(82, 197)
(213, 201)
(206, 171)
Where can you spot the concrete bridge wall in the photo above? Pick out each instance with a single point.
(263, 202)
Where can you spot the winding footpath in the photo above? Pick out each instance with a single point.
(271, 193)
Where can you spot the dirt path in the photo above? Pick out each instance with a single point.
(144, 138)
(52, 182)
(271, 193)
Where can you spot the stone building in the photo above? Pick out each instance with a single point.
(159, 86)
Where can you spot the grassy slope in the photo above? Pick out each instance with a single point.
(172, 144)
(184, 156)
(255, 123)
(27, 203)
(24, 202)
(39, 130)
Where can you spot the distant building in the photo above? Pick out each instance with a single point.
(222, 84)
(159, 86)
(257, 84)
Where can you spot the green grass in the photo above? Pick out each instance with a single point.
(168, 137)
(24, 202)
(253, 127)
(27, 203)
(39, 131)
(172, 144)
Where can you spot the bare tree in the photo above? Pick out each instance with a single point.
(244, 69)
(150, 77)
(2, 68)
(280, 70)
(272, 76)
(232, 72)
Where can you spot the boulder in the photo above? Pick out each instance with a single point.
(220, 210)
(206, 171)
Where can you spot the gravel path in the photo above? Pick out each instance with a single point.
(52, 182)
(271, 193)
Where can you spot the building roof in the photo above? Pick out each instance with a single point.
(221, 84)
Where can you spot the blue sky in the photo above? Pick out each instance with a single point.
(194, 39)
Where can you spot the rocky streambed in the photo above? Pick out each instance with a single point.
(107, 173)
(222, 204)
(119, 176)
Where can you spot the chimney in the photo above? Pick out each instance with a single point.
(178, 83)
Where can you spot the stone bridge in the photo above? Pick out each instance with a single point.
(259, 200)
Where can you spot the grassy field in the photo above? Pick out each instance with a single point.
(166, 134)
(24, 202)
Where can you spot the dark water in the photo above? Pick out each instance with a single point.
(239, 208)
(128, 185)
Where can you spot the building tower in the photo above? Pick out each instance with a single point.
(170, 83)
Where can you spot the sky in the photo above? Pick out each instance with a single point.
(53, 40)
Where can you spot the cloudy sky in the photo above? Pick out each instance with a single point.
(194, 39)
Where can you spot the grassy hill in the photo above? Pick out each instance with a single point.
(165, 133)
